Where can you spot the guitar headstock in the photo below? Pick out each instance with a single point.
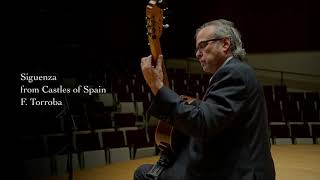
(154, 18)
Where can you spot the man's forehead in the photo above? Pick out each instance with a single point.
(205, 33)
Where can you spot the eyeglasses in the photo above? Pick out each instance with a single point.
(204, 44)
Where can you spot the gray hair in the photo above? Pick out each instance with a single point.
(226, 28)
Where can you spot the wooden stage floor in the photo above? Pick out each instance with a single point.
(292, 162)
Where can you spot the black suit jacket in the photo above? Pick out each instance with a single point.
(227, 132)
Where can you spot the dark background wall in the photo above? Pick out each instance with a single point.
(83, 35)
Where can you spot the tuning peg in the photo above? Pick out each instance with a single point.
(165, 12)
(165, 26)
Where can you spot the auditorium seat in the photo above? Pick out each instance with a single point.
(179, 85)
(127, 107)
(274, 112)
(140, 113)
(90, 150)
(136, 86)
(123, 96)
(36, 168)
(290, 111)
(193, 87)
(311, 107)
(59, 146)
(115, 146)
(315, 128)
(98, 116)
(101, 120)
(301, 134)
(60, 164)
(310, 112)
(124, 119)
(280, 93)
(141, 96)
(138, 143)
(280, 133)
(108, 101)
(313, 96)
(57, 143)
(268, 91)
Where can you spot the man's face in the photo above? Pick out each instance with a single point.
(209, 50)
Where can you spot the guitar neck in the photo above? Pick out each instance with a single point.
(154, 26)
(155, 52)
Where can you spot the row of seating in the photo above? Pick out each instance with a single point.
(49, 153)
(295, 133)
(51, 144)
(103, 147)
(134, 89)
(283, 105)
(134, 137)
(292, 106)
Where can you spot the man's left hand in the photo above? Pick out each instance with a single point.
(152, 75)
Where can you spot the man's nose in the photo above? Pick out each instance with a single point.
(198, 55)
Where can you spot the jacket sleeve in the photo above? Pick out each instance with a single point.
(223, 102)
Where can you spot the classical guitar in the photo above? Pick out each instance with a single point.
(165, 135)
(154, 17)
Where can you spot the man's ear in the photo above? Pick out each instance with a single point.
(226, 44)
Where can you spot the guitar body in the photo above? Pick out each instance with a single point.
(164, 137)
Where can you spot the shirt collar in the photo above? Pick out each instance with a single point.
(224, 63)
